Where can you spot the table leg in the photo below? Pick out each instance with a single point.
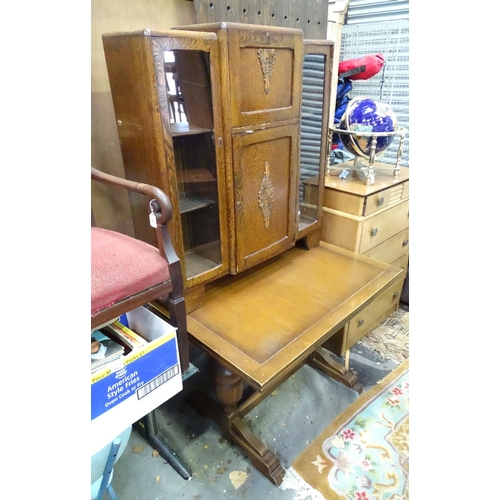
(322, 360)
(229, 390)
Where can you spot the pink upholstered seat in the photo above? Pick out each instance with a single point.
(121, 267)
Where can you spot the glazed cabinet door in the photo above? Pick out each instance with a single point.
(264, 193)
(166, 96)
(314, 139)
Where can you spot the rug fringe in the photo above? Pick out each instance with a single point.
(303, 490)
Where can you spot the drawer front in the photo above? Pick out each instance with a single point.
(341, 231)
(344, 202)
(386, 198)
(392, 248)
(383, 226)
(371, 316)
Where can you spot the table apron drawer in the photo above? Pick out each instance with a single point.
(371, 316)
(392, 248)
(383, 226)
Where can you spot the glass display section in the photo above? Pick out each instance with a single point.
(311, 128)
(189, 95)
(166, 97)
(316, 81)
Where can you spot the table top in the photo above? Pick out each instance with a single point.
(266, 321)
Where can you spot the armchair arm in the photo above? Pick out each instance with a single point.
(160, 201)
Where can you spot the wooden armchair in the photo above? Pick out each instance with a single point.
(128, 273)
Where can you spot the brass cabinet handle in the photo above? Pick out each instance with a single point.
(361, 322)
(395, 296)
(405, 242)
(380, 201)
(374, 231)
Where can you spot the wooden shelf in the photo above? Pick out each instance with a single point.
(182, 128)
(197, 264)
(191, 203)
(195, 175)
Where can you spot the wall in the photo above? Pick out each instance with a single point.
(111, 208)
(308, 15)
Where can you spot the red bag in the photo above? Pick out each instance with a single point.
(373, 64)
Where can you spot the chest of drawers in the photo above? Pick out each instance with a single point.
(372, 220)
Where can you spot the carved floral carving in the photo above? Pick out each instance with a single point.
(267, 58)
(266, 196)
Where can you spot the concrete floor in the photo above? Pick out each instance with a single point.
(286, 421)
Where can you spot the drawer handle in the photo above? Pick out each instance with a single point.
(405, 242)
(374, 231)
(380, 201)
(395, 296)
(361, 322)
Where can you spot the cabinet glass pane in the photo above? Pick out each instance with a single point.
(310, 137)
(192, 127)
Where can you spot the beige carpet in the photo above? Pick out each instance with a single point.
(392, 338)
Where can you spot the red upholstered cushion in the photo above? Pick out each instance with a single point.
(122, 266)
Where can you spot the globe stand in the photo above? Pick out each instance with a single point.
(369, 170)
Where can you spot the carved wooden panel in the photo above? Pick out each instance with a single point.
(265, 192)
(266, 71)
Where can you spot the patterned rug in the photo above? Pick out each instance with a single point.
(364, 453)
(392, 338)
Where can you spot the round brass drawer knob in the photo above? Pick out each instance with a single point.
(374, 231)
(380, 201)
(395, 296)
(361, 322)
(405, 242)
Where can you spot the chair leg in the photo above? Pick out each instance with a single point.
(108, 469)
(177, 311)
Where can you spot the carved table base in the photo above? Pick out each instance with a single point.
(320, 359)
(230, 420)
(228, 414)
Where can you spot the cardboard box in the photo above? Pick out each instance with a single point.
(129, 388)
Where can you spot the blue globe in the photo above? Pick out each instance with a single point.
(367, 115)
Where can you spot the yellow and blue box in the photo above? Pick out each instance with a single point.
(129, 388)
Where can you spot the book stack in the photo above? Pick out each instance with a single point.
(113, 342)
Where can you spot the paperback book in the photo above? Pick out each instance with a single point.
(124, 336)
(103, 350)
